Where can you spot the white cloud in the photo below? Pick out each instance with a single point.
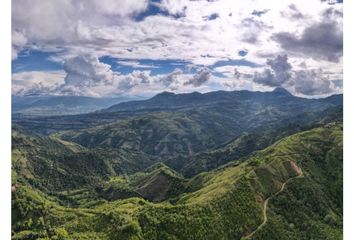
(306, 81)
(36, 82)
(85, 75)
(312, 82)
(18, 42)
(68, 22)
(105, 27)
(173, 79)
(87, 71)
(202, 76)
(98, 28)
(135, 64)
(278, 73)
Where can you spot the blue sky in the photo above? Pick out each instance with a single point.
(36, 60)
(108, 48)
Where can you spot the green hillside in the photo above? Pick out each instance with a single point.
(186, 132)
(300, 177)
(52, 164)
(236, 149)
(236, 111)
(162, 133)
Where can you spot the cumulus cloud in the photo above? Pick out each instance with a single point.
(312, 82)
(129, 81)
(86, 75)
(83, 75)
(172, 78)
(36, 82)
(278, 74)
(202, 76)
(305, 81)
(87, 71)
(18, 42)
(323, 40)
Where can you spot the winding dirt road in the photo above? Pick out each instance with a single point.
(265, 205)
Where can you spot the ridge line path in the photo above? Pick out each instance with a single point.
(265, 205)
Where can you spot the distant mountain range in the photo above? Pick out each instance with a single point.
(168, 100)
(171, 124)
(62, 105)
(265, 105)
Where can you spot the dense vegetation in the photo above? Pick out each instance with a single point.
(190, 130)
(215, 201)
(53, 164)
(166, 175)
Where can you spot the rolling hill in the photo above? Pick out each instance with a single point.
(52, 164)
(300, 176)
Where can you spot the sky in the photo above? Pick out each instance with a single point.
(104, 48)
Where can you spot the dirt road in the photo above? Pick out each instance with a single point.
(265, 205)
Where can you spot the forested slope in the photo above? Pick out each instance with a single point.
(222, 204)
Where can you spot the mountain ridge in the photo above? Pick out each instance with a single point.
(169, 100)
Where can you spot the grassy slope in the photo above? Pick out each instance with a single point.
(156, 183)
(225, 203)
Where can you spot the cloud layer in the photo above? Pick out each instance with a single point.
(322, 40)
(270, 44)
